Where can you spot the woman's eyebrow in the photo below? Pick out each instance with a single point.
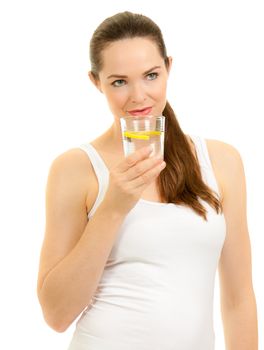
(125, 76)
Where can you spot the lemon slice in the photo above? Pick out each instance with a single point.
(151, 132)
(143, 135)
(136, 136)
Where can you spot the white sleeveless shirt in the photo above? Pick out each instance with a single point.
(157, 288)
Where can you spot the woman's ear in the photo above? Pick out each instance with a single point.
(95, 81)
(169, 64)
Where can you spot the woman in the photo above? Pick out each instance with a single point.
(141, 266)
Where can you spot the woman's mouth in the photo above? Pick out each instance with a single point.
(143, 111)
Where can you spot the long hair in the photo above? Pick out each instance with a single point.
(181, 181)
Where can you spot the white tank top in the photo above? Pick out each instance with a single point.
(157, 288)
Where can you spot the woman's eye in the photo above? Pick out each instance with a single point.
(118, 83)
(121, 82)
(152, 76)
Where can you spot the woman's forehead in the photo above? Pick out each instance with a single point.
(125, 54)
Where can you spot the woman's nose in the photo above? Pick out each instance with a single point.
(137, 94)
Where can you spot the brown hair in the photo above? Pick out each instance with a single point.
(181, 181)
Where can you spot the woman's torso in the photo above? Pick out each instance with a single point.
(157, 287)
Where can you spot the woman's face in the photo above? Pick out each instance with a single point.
(134, 76)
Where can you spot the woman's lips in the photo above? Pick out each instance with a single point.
(144, 111)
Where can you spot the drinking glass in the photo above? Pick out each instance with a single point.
(141, 131)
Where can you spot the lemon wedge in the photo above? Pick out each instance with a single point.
(143, 135)
(151, 132)
(136, 136)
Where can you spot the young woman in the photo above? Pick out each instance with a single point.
(133, 243)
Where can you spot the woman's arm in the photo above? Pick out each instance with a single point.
(238, 304)
(74, 251)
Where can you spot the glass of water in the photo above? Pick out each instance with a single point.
(141, 131)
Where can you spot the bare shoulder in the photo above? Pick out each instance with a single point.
(222, 153)
(73, 162)
(226, 161)
(71, 171)
(73, 156)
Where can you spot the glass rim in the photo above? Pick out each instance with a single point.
(142, 116)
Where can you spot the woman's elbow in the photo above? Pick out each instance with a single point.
(56, 323)
(53, 318)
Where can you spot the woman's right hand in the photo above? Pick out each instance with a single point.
(130, 178)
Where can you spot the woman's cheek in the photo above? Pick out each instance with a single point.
(159, 91)
(120, 97)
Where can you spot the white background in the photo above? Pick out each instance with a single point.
(48, 106)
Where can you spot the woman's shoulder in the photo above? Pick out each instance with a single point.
(72, 166)
(221, 151)
(225, 157)
(73, 160)
(76, 166)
